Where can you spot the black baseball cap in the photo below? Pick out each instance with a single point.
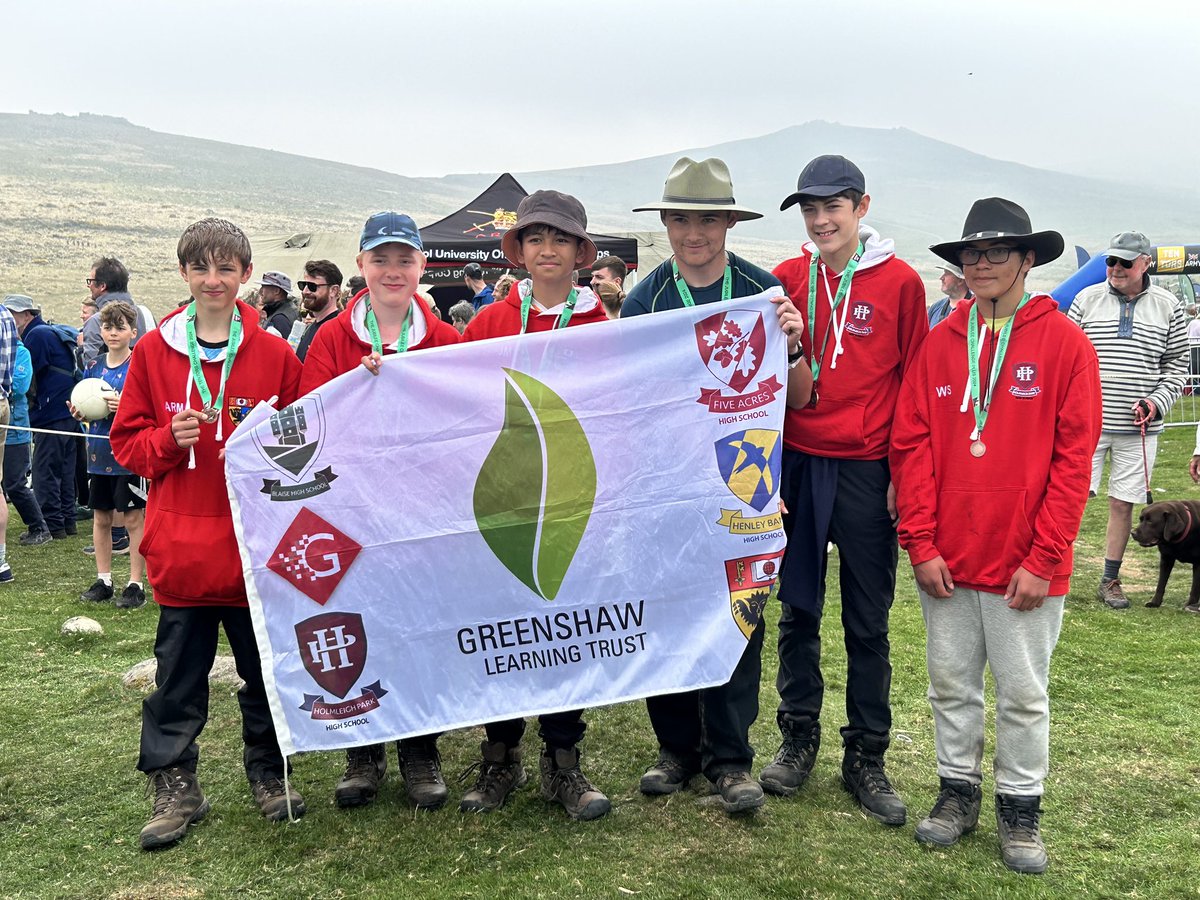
(826, 176)
(473, 270)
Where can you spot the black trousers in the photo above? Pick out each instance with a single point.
(710, 728)
(862, 530)
(559, 731)
(54, 474)
(175, 713)
(16, 487)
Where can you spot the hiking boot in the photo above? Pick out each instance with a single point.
(70, 529)
(1112, 594)
(864, 778)
(120, 546)
(1021, 844)
(955, 813)
(668, 775)
(793, 762)
(500, 773)
(6, 574)
(58, 534)
(365, 769)
(99, 592)
(421, 769)
(35, 538)
(82, 513)
(178, 803)
(272, 799)
(739, 792)
(563, 782)
(133, 597)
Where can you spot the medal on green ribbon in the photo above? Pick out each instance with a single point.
(372, 324)
(685, 293)
(211, 411)
(981, 408)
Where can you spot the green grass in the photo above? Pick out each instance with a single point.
(1122, 809)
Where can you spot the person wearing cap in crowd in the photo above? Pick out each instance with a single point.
(319, 294)
(1140, 334)
(550, 241)
(279, 312)
(609, 268)
(996, 421)
(481, 291)
(708, 731)
(954, 286)
(54, 452)
(864, 320)
(387, 317)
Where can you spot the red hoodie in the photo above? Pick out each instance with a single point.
(885, 323)
(503, 317)
(338, 347)
(191, 553)
(1019, 504)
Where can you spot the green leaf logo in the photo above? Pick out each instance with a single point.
(535, 492)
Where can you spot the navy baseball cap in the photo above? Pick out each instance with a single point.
(826, 176)
(390, 228)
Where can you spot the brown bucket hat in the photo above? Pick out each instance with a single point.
(558, 210)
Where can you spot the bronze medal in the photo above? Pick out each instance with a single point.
(211, 414)
(978, 448)
(812, 401)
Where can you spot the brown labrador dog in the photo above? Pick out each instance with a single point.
(1173, 526)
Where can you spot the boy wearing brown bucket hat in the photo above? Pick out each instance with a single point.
(708, 731)
(550, 241)
(991, 443)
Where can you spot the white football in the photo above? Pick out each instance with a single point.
(90, 397)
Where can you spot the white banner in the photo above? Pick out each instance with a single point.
(515, 526)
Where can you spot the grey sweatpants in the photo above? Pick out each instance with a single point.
(966, 631)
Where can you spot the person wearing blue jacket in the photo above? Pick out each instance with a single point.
(16, 454)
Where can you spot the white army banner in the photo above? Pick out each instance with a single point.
(515, 526)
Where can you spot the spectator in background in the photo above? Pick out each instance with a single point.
(503, 285)
(278, 310)
(355, 285)
(319, 294)
(611, 296)
(954, 286)
(609, 268)
(87, 309)
(1193, 336)
(9, 339)
(461, 313)
(473, 279)
(16, 451)
(108, 281)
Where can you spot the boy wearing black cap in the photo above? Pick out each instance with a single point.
(387, 317)
(864, 320)
(550, 241)
(991, 443)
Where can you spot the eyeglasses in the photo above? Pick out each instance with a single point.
(1113, 261)
(90, 281)
(309, 286)
(969, 256)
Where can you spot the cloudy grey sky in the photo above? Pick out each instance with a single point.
(455, 86)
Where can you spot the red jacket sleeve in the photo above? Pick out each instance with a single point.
(139, 442)
(914, 320)
(911, 459)
(1075, 438)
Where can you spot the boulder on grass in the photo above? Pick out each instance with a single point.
(81, 625)
(141, 676)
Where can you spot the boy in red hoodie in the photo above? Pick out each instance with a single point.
(188, 383)
(385, 318)
(864, 312)
(550, 241)
(991, 449)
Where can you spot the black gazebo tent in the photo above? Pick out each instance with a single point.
(473, 235)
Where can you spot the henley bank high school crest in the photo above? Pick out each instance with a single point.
(732, 344)
(750, 462)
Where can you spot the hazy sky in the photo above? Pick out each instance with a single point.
(1095, 87)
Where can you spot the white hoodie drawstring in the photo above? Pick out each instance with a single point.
(187, 396)
(838, 329)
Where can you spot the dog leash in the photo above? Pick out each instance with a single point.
(1146, 466)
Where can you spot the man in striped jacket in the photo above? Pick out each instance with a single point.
(1140, 334)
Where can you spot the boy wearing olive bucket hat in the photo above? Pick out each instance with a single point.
(991, 447)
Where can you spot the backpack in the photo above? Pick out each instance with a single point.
(70, 338)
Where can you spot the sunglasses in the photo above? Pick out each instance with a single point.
(969, 256)
(1113, 261)
(309, 286)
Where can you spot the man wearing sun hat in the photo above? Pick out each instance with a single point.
(996, 421)
(1140, 334)
(708, 731)
(954, 286)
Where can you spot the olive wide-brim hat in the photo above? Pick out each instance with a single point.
(557, 210)
(993, 218)
(703, 186)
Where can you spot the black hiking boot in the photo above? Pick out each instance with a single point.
(668, 775)
(365, 769)
(955, 813)
(739, 792)
(864, 778)
(1018, 824)
(421, 769)
(793, 762)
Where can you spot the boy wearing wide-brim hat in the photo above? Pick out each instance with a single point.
(991, 444)
(551, 242)
(708, 730)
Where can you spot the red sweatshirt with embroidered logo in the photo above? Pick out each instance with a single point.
(882, 321)
(1021, 503)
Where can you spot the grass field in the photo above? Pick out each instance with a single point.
(1122, 808)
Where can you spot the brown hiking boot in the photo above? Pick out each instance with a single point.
(563, 782)
(178, 803)
(500, 773)
(274, 800)
(1112, 594)
(421, 768)
(365, 769)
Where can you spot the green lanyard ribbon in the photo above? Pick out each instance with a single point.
(842, 291)
(373, 327)
(982, 409)
(685, 293)
(211, 412)
(564, 318)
